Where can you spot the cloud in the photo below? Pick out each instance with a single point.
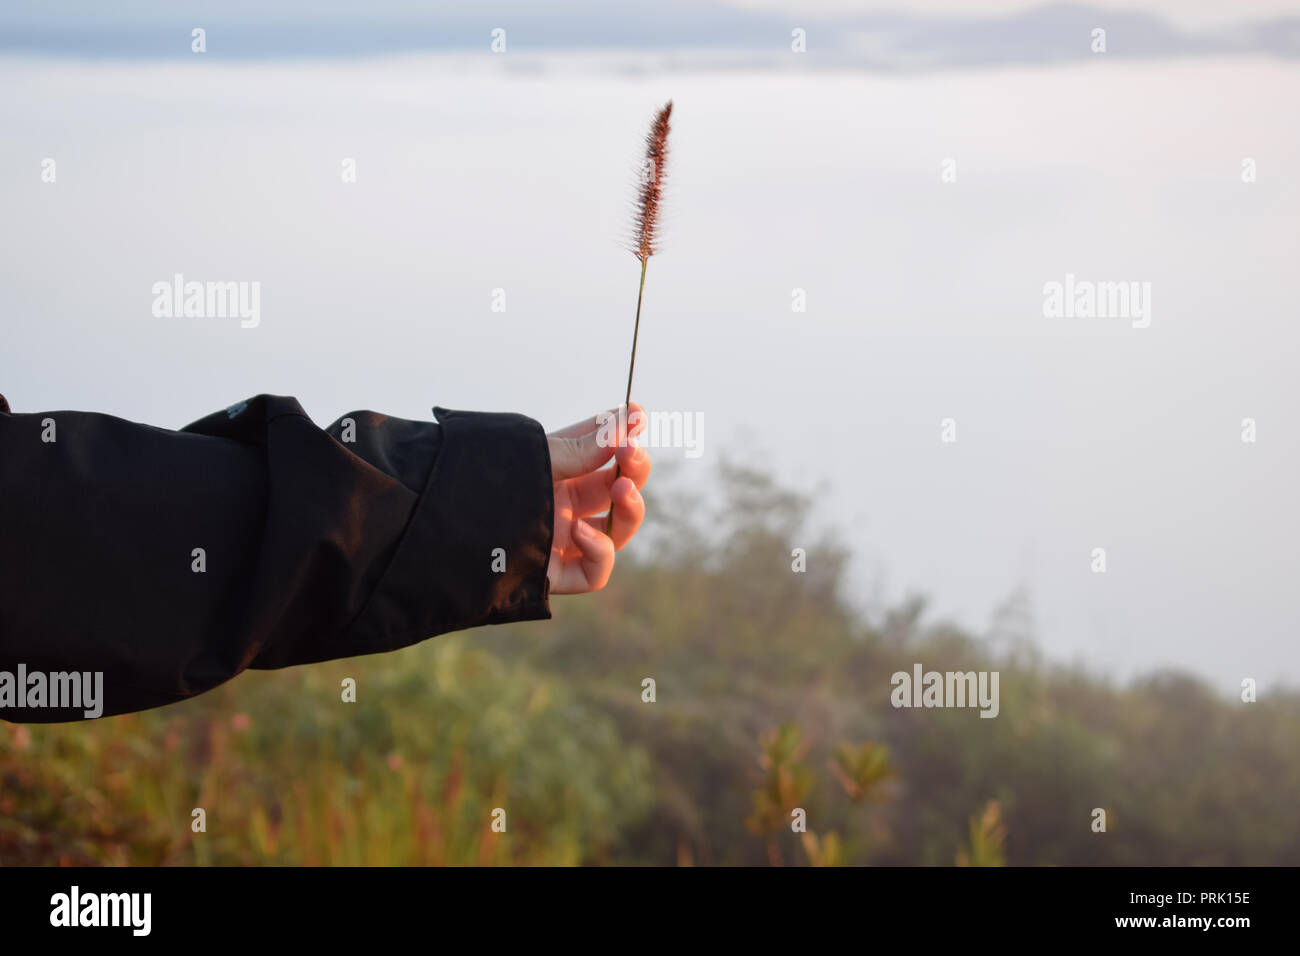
(865, 34)
(1190, 14)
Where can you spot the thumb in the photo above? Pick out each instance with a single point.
(574, 456)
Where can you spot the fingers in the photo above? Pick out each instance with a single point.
(634, 462)
(585, 559)
(590, 493)
(585, 446)
(590, 567)
(629, 512)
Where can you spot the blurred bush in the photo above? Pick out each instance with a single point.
(771, 692)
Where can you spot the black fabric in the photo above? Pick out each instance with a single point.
(366, 536)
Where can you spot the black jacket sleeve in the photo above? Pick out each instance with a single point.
(171, 561)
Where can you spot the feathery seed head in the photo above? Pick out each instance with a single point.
(646, 223)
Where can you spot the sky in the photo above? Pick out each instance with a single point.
(822, 172)
(864, 34)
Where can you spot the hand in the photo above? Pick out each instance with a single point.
(582, 555)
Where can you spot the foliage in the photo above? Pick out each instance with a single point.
(547, 722)
(987, 835)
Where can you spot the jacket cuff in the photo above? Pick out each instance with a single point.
(477, 546)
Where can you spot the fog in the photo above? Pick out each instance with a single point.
(924, 297)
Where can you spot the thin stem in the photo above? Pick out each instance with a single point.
(631, 367)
